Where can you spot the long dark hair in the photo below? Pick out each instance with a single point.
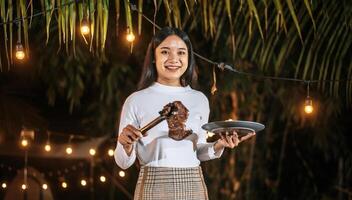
(149, 74)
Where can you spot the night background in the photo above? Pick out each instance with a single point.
(68, 90)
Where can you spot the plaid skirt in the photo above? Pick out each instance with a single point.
(156, 183)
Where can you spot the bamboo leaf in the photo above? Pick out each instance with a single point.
(59, 23)
(25, 25)
(4, 19)
(233, 38)
(253, 10)
(140, 9)
(92, 23)
(307, 4)
(117, 17)
(168, 12)
(10, 17)
(280, 22)
(294, 17)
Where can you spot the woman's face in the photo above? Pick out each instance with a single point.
(171, 60)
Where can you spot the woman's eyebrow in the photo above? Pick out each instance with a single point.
(169, 48)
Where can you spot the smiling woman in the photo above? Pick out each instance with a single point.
(169, 153)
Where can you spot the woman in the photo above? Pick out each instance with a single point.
(169, 168)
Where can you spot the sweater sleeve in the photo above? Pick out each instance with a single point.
(128, 116)
(205, 151)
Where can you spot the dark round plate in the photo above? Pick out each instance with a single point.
(227, 127)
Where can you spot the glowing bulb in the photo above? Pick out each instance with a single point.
(122, 174)
(102, 179)
(92, 152)
(47, 147)
(69, 150)
(85, 27)
(83, 182)
(4, 185)
(111, 152)
(45, 186)
(130, 37)
(19, 51)
(64, 184)
(308, 106)
(24, 142)
(24, 186)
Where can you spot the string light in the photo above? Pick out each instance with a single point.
(130, 36)
(102, 179)
(24, 142)
(111, 152)
(19, 51)
(85, 27)
(64, 184)
(308, 104)
(24, 186)
(122, 173)
(4, 185)
(47, 146)
(83, 182)
(92, 151)
(45, 186)
(69, 149)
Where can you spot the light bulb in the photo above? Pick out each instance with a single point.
(102, 179)
(24, 186)
(47, 147)
(83, 182)
(24, 142)
(4, 185)
(85, 27)
(130, 37)
(69, 150)
(19, 51)
(122, 174)
(111, 152)
(308, 106)
(64, 184)
(92, 152)
(45, 186)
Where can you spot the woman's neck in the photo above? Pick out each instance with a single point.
(175, 83)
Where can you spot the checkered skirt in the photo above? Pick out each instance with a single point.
(156, 183)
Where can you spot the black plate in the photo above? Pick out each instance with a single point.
(226, 127)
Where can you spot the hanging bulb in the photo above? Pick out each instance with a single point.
(308, 105)
(85, 27)
(45, 186)
(130, 37)
(19, 51)
(4, 185)
(64, 184)
(122, 174)
(92, 152)
(102, 179)
(24, 142)
(24, 186)
(111, 152)
(69, 150)
(83, 182)
(47, 147)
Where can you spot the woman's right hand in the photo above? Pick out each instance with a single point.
(128, 137)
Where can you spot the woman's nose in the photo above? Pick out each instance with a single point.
(173, 57)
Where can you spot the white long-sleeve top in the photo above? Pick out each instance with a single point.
(157, 149)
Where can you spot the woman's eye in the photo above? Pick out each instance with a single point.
(181, 53)
(164, 52)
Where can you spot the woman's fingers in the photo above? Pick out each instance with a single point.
(246, 137)
(129, 135)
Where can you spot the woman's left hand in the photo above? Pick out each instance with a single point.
(231, 141)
